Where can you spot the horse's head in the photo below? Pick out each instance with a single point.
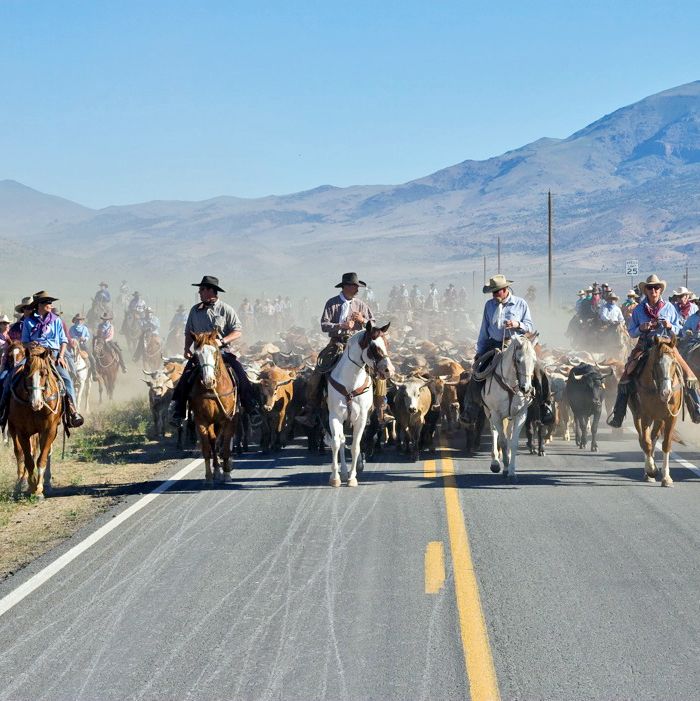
(36, 370)
(15, 353)
(375, 352)
(206, 351)
(663, 363)
(524, 359)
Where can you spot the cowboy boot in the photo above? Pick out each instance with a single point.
(620, 409)
(75, 420)
(692, 402)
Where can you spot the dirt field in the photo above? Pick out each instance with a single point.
(106, 459)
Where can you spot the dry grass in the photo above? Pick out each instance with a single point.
(105, 460)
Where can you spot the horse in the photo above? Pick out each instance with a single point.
(13, 354)
(107, 366)
(175, 341)
(83, 376)
(34, 417)
(506, 401)
(656, 401)
(131, 329)
(213, 401)
(97, 309)
(350, 395)
(152, 352)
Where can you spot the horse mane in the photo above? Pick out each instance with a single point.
(207, 338)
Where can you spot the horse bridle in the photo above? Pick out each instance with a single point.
(374, 352)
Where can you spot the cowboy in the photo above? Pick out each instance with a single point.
(44, 328)
(4, 338)
(343, 315)
(24, 309)
(211, 314)
(681, 300)
(609, 313)
(179, 319)
(652, 317)
(150, 326)
(433, 295)
(102, 296)
(581, 294)
(81, 334)
(137, 306)
(505, 316)
(629, 304)
(105, 331)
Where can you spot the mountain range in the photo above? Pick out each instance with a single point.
(625, 186)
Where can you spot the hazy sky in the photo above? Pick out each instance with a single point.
(110, 102)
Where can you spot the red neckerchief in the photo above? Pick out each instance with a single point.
(653, 312)
(684, 309)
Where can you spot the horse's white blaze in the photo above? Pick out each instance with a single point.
(36, 396)
(207, 362)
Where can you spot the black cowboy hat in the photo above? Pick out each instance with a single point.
(351, 279)
(209, 281)
(106, 317)
(43, 296)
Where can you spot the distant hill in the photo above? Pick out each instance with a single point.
(627, 185)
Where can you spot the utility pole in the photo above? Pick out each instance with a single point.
(686, 275)
(549, 246)
(473, 283)
(484, 271)
(499, 255)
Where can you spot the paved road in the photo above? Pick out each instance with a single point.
(279, 587)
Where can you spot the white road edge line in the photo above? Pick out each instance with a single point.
(674, 456)
(22, 591)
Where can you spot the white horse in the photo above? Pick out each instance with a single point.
(507, 394)
(83, 379)
(350, 395)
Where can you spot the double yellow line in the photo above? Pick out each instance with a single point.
(481, 673)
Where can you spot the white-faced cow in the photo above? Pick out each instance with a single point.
(411, 404)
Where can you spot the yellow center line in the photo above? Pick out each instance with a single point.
(481, 673)
(429, 469)
(434, 567)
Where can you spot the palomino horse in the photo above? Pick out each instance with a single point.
(507, 394)
(107, 366)
(656, 402)
(35, 411)
(350, 395)
(82, 380)
(213, 400)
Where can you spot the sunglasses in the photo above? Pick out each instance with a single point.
(653, 287)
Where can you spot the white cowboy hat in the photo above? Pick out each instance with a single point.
(681, 291)
(497, 282)
(4, 319)
(581, 293)
(652, 280)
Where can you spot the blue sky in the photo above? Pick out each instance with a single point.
(108, 102)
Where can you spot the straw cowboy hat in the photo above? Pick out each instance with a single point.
(209, 281)
(26, 303)
(681, 291)
(78, 317)
(581, 293)
(43, 296)
(612, 296)
(632, 293)
(4, 319)
(497, 282)
(352, 279)
(651, 280)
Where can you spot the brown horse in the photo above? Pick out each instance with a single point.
(152, 352)
(656, 402)
(34, 417)
(213, 400)
(107, 366)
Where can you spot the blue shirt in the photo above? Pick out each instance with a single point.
(640, 316)
(53, 336)
(495, 314)
(691, 324)
(151, 324)
(103, 296)
(79, 332)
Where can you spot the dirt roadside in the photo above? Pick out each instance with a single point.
(106, 460)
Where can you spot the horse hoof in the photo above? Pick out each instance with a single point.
(334, 481)
(352, 482)
(594, 449)
(208, 483)
(495, 467)
(226, 477)
(649, 478)
(667, 482)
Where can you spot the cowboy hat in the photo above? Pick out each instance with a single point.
(681, 291)
(43, 296)
(135, 294)
(103, 284)
(351, 279)
(581, 293)
(106, 317)
(632, 293)
(612, 296)
(589, 289)
(651, 280)
(497, 282)
(4, 319)
(78, 317)
(26, 303)
(209, 281)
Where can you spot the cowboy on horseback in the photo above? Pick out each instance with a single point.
(44, 328)
(505, 316)
(343, 316)
(80, 333)
(105, 331)
(102, 296)
(211, 314)
(150, 326)
(652, 317)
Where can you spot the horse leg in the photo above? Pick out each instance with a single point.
(495, 432)
(216, 462)
(357, 430)
(516, 426)
(229, 430)
(203, 432)
(337, 444)
(667, 427)
(647, 446)
(26, 444)
(22, 483)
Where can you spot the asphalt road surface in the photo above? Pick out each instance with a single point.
(580, 582)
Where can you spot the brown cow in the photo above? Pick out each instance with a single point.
(411, 404)
(276, 391)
